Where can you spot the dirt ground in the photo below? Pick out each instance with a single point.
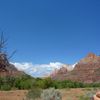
(75, 94)
(67, 94)
(12, 95)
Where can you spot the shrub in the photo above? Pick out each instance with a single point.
(44, 83)
(51, 94)
(5, 87)
(33, 94)
(84, 98)
(87, 96)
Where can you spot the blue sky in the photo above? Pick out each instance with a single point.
(44, 31)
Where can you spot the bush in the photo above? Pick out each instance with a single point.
(87, 96)
(51, 94)
(27, 82)
(44, 83)
(6, 83)
(33, 94)
(24, 82)
(5, 87)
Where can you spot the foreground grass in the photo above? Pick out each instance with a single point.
(79, 93)
(67, 94)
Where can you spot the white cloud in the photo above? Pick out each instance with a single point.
(23, 66)
(74, 64)
(38, 70)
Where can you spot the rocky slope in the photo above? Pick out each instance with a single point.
(62, 71)
(7, 69)
(86, 70)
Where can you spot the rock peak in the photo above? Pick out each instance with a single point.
(91, 55)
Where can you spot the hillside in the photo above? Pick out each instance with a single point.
(87, 70)
(7, 69)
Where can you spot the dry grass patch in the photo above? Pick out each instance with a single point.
(67, 94)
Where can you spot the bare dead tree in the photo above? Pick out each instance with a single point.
(12, 54)
(5, 65)
(2, 43)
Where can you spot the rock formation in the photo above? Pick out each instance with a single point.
(7, 69)
(63, 70)
(86, 70)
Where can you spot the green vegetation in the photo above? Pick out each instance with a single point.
(87, 96)
(23, 82)
(33, 94)
(27, 82)
(51, 94)
(84, 98)
(46, 94)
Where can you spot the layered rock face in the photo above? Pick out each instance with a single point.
(86, 70)
(59, 73)
(7, 69)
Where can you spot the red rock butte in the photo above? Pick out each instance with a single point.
(87, 70)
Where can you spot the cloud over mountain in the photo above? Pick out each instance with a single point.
(38, 70)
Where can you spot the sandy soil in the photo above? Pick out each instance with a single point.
(75, 94)
(71, 94)
(12, 95)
